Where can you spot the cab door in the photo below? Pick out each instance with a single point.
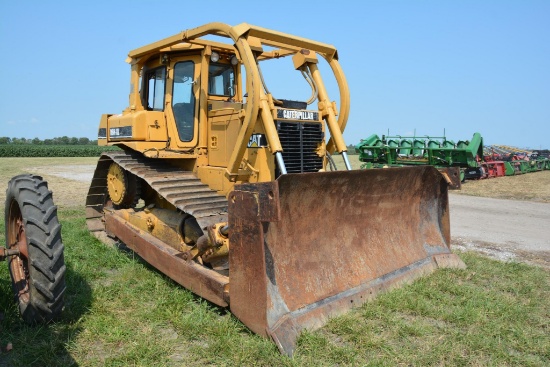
(182, 102)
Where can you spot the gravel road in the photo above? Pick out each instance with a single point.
(505, 229)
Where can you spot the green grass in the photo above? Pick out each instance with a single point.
(121, 312)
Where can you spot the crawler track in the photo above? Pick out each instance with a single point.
(180, 188)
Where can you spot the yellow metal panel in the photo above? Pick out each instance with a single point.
(155, 46)
(102, 131)
(275, 38)
(303, 57)
(136, 121)
(145, 125)
(263, 162)
(215, 178)
(156, 126)
(223, 130)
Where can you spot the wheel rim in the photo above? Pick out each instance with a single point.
(19, 265)
(116, 183)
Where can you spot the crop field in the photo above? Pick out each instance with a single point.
(29, 150)
(122, 312)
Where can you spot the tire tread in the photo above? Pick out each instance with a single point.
(46, 262)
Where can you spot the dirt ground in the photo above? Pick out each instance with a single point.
(533, 186)
(68, 182)
(505, 229)
(501, 228)
(505, 218)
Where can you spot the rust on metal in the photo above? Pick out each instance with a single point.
(452, 176)
(373, 230)
(7, 252)
(17, 240)
(250, 207)
(193, 276)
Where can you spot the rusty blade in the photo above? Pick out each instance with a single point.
(200, 280)
(311, 246)
(452, 176)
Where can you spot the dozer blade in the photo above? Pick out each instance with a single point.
(311, 246)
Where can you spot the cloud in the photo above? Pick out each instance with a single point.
(11, 122)
(34, 120)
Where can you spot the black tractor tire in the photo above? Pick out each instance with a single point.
(38, 272)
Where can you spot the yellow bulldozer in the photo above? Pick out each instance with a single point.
(228, 189)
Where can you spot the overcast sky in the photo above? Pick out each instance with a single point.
(412, 66)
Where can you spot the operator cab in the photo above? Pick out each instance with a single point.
(170, 84)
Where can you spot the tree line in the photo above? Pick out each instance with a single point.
(63, 140)
(351, 150)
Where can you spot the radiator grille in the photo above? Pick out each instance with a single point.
(299, 141)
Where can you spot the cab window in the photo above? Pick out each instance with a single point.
(221, 80)
(183, 99)
(155, 80)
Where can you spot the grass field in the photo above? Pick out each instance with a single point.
(533, 186)
(121, 312)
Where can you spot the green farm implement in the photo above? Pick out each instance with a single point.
(466, 156)
(399, 151)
